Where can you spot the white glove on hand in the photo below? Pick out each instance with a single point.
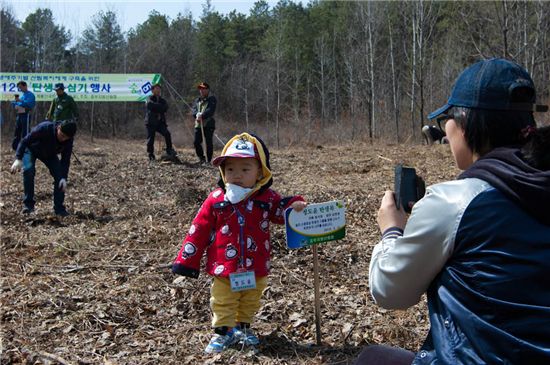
(198, 117)
(63, 185)
(17, 164)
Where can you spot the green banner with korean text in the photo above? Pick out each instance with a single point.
(82, 87)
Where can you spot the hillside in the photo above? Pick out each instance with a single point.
(96, 287)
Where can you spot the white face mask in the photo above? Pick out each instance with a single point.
(235, 193)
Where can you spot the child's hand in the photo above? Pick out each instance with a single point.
(298, 205)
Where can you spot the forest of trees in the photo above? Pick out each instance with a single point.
(296, 73)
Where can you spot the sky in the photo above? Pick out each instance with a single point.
(76, 15)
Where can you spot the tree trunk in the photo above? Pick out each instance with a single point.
(309, 116)
(420, 40)
(246, 107)
(335, 81)
(371, 73)
(278, 101)
(267, 108)
(296, 96)
(413, 75)
(92, 123)
(394, 82)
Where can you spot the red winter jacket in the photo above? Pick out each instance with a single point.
(229, 246)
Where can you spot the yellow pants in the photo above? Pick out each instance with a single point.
(229, 307)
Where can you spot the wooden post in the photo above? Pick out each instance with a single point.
(92, 123)
(204, 141)
(202, 132)
(317, 296)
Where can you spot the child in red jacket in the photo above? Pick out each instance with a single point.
(232, 225)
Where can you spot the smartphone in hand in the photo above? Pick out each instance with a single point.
(408, 187)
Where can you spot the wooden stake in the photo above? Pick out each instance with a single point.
(92, 124)
(202, 132)
(317, 296)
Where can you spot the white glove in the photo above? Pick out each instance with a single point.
(199, 115)
(16, 166)
(63, 185)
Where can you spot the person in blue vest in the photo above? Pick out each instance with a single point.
(479, 246)
(45, 142)
(23, 106)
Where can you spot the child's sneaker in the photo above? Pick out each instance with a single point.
(245, 336)
(218, 342)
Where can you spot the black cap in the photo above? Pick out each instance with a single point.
(59, 86)
(203, 85)
(68, 127)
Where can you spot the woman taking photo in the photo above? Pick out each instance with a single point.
(479, 246)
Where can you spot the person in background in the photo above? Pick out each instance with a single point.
(45, 142)
(434, 134)
(155, 121)
(236, 216)
(23, 106)
(479, 246)
(63, 107)
(204, 108)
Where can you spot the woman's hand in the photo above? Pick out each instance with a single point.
(298, 205)
(389, 215)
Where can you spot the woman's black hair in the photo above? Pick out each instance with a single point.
(485, 129)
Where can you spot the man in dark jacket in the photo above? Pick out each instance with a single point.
(204, 108)
(63, 107)
(45, 142)
(155, 121)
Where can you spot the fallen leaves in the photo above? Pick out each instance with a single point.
(96, 287)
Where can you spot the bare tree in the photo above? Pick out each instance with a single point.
(394, 81)
(11, 37)
(322, 56)
(415, 25)
(501, 11)
(370, 52)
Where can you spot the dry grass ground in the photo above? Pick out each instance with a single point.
(96, 288)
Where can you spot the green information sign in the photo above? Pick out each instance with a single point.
(82, 87)
(317, 223)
